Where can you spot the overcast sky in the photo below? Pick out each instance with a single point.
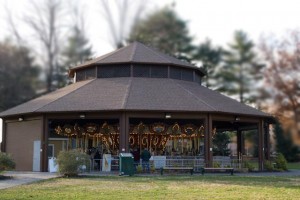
(214, 19)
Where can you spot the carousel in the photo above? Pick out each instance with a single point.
(133, 98)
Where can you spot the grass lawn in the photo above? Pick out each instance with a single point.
(294, 165)
(159, 187)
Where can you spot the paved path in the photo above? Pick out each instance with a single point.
(20, 178)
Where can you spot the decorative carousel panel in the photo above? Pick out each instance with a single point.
(174, 129)
(201, 131)
(107, 129)
(158, 128)
(133, 140)
(163, 141)
(91, 128)
(141, 128)
(79, 131)
(155, 140)
(189, 129)
(68, 130)
(58, 130)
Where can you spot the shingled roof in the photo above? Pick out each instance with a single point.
(132, 94)
(135, 53)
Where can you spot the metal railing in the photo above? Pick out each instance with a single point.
(96, 164)
(197, 162)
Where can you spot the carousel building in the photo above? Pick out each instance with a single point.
(132, 98)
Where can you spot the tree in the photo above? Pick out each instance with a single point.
(281, 79)
(45, 21)
(210, 57)
(78, 49)
(125, 16)
(164, 30)
(241, 71)
(284, 144)
(18, 75)
(220, 144)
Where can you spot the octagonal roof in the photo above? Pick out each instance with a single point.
(134, 94)
(135, 53)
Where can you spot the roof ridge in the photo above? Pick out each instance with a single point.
(127, 94)
(88, 82)
(157, 53)
(94, 60)
(194, 95)
(133, 51)
(115, 51)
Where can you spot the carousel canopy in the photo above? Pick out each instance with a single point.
(134, 94)
(136, 53)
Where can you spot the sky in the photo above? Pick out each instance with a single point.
(213, 19)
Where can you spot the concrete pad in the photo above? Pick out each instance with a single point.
(20, 178)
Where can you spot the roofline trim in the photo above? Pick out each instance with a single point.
(72, 71)
(268, 116)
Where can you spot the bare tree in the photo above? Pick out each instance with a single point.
(127, 15)
(44, 21)
(12, 26)
(282, 75)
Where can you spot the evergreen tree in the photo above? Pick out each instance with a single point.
(210, 57)
(220, 144)
(18, 75)
(241, 71)
(77, 51)
(165, 31)
(285, 145)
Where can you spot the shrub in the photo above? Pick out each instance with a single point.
(269, 166)
(71, 162)
(249, 166)
(139, 169)
(6, 162)
(152, 169)
(281, 163)
(216, 165)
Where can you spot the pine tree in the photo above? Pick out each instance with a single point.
(210, 57)
(77, 51)
(165, 31)
(241, 71)
(284, 144)
(18, 75)
(220, 144)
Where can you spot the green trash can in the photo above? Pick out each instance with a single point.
(126, 164)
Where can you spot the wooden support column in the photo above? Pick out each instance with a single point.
(124, 133)
(208, 141)
(261, 145)
(239, 143)
(267, 141)
(44, 144)
(3, 144)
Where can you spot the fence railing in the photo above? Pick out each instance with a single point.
(197, 162)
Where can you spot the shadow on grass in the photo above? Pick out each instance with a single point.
(273, 181)
(2, 177)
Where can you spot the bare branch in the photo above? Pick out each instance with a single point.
(44, 25)
(13, 26)
(110, 21)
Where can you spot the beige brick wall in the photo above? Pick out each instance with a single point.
(20, 137)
